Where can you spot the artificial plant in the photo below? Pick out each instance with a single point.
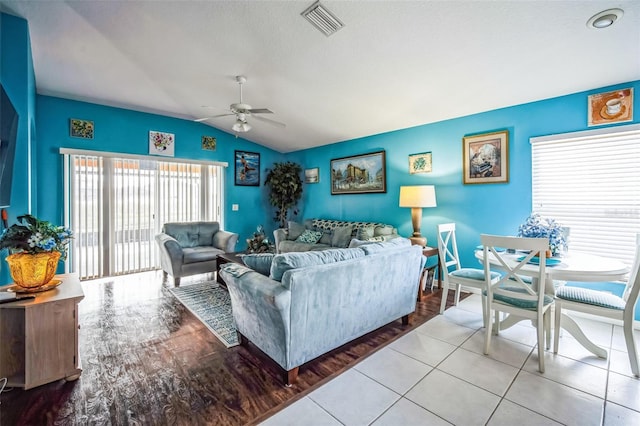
(285, 186)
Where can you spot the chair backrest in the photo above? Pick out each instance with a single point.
(633, 284)
(496, 251)
(447, 246)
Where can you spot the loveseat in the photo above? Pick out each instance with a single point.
(297, 306)
(188, 248)
(327, 233)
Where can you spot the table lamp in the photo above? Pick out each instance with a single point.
(417, 197)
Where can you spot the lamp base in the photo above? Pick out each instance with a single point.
(418, 240)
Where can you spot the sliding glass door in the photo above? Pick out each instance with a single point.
(117, 206)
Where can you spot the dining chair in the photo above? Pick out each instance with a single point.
(458, 276)
(513, 295)
(606, 305)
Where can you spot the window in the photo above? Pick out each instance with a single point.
(590, 182)
(116, 206)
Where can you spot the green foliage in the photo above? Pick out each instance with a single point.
(33, 236)
(285, 184)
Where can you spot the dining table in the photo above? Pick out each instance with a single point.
(569, 266)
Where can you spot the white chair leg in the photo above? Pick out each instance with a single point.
(556, 330)
(547, 330)
(445, 292)
(457, 299)
(540, 330)
(487, 333)
(485, 308)
(631, 347)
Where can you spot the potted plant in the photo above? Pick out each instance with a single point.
(285, 184)
(36, 246)
(537, 226)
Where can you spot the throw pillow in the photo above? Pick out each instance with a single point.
(259, 262)
(341, 236)
(309, 237)
(295, 230)
(365, 233)
(374, 239)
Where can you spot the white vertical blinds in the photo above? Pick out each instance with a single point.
(118, 205)
(590, 182)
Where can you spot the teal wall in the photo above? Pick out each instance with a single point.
(476, 209)
(125, 131)
(17, 77)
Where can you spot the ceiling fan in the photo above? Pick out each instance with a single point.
(243, 111)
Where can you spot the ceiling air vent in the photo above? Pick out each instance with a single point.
(322, 19)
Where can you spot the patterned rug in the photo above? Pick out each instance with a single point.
(211, 304)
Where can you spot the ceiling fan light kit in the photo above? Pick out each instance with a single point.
(242, 111)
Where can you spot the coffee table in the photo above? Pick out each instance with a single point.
(227, 258)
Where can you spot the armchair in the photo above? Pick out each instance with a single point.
(189, 248)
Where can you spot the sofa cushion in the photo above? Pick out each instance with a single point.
(291, 246)
(384, 230)
(377, 247)
(357, 243)
(341, 236)
(192, 234)
(285, 262)
(309, 237)
(326, 237)
(259, 262)
(365, 232)
(295, 230)
(200, 254)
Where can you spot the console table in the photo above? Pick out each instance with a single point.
(39, 337)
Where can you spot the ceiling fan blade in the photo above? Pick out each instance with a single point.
(211, 116)
(267, 120)
(260, 111)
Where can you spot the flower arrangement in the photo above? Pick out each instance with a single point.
(537, 226)
(33, 236)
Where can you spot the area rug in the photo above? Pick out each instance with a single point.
(211, 304)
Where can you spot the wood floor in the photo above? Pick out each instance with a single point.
(148, 361)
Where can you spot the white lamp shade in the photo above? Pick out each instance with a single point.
(418, 196)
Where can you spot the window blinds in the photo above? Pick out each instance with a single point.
(590, 182)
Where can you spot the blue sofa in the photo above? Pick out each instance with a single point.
(188, 248)
(297, 306)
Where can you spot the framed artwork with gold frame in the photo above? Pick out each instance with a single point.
(485, 158)
(420, 163)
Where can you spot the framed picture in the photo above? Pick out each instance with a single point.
(161, 143)
(312, 175)
(247, 168)
(209, 143)
(485, 158)
(81, 128)
(611, 107)
(420, 163)
(359, 174)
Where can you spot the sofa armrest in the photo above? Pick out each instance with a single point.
(225, 241)
(260, 309)
(278, 236)
(171, 255)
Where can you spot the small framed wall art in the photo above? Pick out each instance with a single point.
(312, 175)
(208, 143)
(611, 107)
(485, 158)
(420, 163)
(81, 128)
(247, 168)
(161, 143)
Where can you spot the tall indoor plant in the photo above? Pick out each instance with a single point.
(285, 185)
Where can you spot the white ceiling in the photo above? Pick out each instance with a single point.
(395, 64)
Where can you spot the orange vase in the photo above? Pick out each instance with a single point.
(33, 270)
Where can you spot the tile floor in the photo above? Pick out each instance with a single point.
(437, 375)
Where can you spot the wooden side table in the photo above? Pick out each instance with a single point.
(429, 252)
(39, 337)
